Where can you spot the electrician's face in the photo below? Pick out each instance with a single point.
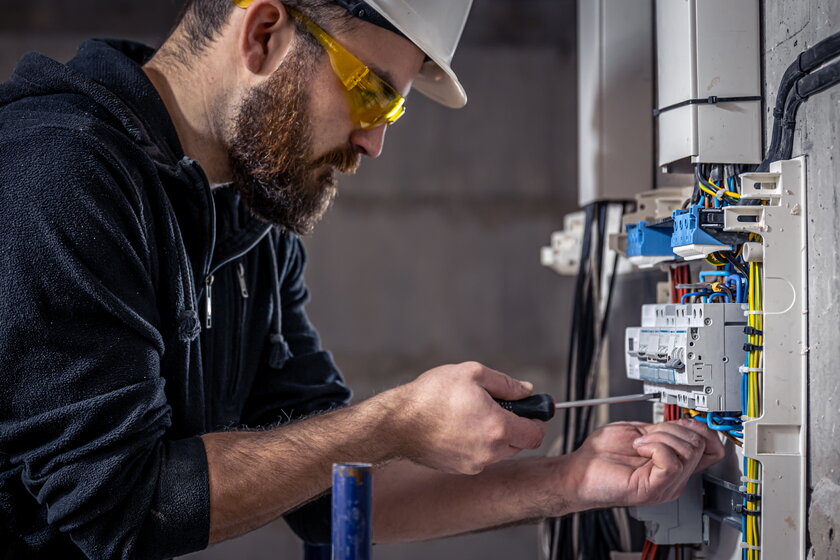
(271, 150)
(293, 133)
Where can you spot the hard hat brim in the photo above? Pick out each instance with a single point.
(439, 83)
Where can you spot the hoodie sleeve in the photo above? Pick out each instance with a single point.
(84, 414)
(301, 381)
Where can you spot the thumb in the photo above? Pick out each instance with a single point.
(504, 387)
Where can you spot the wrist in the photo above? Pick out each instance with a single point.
(386, 416)
(566, 485)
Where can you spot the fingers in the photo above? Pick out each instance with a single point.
(667, 475)
(499, 385)
(524, 433)
(688, 450)
(714, 450)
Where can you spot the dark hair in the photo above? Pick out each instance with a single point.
(201, 21)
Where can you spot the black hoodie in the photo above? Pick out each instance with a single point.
(109, 368)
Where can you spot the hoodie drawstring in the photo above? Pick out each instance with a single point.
(280, 351)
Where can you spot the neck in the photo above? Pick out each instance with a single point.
(186, 94)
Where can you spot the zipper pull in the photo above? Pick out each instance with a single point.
(243, 285)
(208, 294)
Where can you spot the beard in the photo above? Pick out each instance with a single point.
(272, 164)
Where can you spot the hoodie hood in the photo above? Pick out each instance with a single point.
(120, 93)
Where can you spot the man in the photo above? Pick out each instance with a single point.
(161, 378)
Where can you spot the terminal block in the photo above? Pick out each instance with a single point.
(689, 239)
(564, 253)
(648, 244)
(651, 206)
(690, 353)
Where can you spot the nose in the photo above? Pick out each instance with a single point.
(369, 142)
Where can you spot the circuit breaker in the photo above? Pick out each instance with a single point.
(690, 353)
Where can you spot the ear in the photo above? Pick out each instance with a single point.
(266, 36)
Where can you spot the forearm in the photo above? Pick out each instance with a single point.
(415, 503)
(256, 477)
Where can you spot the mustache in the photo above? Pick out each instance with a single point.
(345, 160)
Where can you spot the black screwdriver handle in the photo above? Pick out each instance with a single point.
(539, 407)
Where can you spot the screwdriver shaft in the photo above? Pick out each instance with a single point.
(609, 400)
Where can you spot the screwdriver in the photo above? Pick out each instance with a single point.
(542, 406)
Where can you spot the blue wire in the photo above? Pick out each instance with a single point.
(692, 294)
(721, 294)
(712, 423)
(738, 280)
(744, 388)
(707, 273)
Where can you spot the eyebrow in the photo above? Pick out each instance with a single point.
(384, 74)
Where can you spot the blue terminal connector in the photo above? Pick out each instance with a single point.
(646, 240)
(687, 230)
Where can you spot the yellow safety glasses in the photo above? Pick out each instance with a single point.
(373, 101)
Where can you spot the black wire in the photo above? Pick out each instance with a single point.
(739, 266)
(597, 533)
(699, 176)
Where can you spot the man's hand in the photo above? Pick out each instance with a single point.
(633, 463)
(449, 421)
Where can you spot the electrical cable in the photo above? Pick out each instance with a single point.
(592, 534)
(806, 62)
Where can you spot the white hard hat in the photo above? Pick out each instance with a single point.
(435, 26)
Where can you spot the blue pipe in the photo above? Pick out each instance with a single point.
(352, 519)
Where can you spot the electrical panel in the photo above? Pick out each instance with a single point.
(615, 97)
(731, 351)
(708, 81)
(689, 353)
(726, 342)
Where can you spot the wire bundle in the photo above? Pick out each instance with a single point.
(716, 186)
(591, 534)
(753, 367)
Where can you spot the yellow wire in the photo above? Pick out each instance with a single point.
(754, 299)
(707, 190)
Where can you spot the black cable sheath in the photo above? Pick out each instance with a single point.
(806, 62)
(819, 81)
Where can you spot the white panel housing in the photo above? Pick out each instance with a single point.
(708, 48)
(615, 87)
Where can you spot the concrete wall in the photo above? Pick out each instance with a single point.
(431, 253)
(790, 27)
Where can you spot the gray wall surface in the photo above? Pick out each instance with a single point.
(791, 27)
